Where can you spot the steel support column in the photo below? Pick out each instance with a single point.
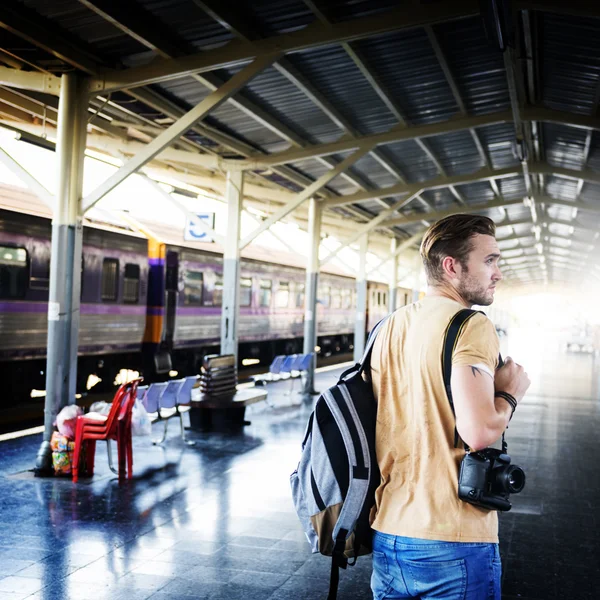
(231, 265)
(418, 270)
(312, 282)
(65, 265)
(361, 300)
(394, 278)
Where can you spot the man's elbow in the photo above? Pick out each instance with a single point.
(478, 438)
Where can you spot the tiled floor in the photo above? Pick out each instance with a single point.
(216, 520)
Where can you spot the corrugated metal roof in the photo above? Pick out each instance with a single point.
(412, 160)
(456, 152)
(477, 67)
(336, 76)
(570, 51)
(565, 63)
(564, 146)
(407, 66)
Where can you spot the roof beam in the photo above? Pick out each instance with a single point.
(304, 195)
(373, 223)
(315, 35)
(446, 213)
(27, 178)
(411, 188)
(585, 174)
(30, 80)
(397, 134)
(178, 128)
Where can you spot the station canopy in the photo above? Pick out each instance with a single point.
(393, 114)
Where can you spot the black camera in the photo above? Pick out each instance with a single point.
(487, 479)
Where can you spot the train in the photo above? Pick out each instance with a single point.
(155, 307)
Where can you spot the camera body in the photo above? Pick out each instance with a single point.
(487, 478)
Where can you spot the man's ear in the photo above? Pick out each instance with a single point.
(451, 267)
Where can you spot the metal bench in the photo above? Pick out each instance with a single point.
(165, 400)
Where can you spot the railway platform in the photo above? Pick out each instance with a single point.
(216, 520)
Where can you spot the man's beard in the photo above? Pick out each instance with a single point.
(473, 292)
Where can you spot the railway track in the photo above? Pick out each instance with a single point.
(31, 414)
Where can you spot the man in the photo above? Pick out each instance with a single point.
(428, 543)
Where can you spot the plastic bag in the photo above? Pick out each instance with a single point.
(140, 421)
(66, 420)
(101, 407)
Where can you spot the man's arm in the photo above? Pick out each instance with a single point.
(480, 418)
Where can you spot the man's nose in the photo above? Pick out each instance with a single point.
(498, 274)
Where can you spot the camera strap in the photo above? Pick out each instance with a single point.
(453, 331)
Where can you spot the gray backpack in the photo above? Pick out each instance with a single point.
(334, 485)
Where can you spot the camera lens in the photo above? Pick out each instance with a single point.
(514, 479)
(508, 479)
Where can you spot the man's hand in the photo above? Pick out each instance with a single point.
(511, 378)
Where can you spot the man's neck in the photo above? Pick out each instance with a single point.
(446, 291)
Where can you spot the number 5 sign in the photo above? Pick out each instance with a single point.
(195, 232)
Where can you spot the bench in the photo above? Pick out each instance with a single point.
(290, 365)
(220, 404)
(164, 400)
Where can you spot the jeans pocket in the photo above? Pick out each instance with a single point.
(444, 579)
(381, 580)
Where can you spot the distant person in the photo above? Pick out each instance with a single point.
(427, 542)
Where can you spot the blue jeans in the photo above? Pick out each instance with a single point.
(426, 569)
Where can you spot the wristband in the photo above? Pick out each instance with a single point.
(510, 399)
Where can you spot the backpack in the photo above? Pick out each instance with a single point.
(333, 488)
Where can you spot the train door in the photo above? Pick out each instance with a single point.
(162, 359)
(171, 291)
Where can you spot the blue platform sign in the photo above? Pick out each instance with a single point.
(194, 232)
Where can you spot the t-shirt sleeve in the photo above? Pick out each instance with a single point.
(477, 344)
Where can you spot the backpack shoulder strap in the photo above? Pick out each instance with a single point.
(451, 336)
(365, 361)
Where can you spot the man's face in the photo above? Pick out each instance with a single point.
(477, 282)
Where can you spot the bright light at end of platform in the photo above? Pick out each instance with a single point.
(246, 362)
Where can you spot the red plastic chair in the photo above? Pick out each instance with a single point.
(115, 426)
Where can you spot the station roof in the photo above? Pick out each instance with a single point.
(393, 114)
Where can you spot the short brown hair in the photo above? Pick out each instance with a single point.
(451, 236)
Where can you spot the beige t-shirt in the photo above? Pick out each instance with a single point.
(419, 465)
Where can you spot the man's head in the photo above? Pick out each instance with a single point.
(461, 251)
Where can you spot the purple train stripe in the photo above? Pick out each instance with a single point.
(153, 262)
(155, 311)
(86, 309)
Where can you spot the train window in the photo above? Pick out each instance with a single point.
(40, 273)
(218, 292)
(336, 299)
(193, 287)
(378, 298)
(14, 272)
(384, 298)
(245, 291)
(299, 295)
(131, 284)
(110, 279)
(325, 296)
(282, 297)
(347, 299)
(266, 287)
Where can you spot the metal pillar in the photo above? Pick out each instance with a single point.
(65, 265)
(393, 295)
(312, 283)
(231, 264)
(361, 300)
